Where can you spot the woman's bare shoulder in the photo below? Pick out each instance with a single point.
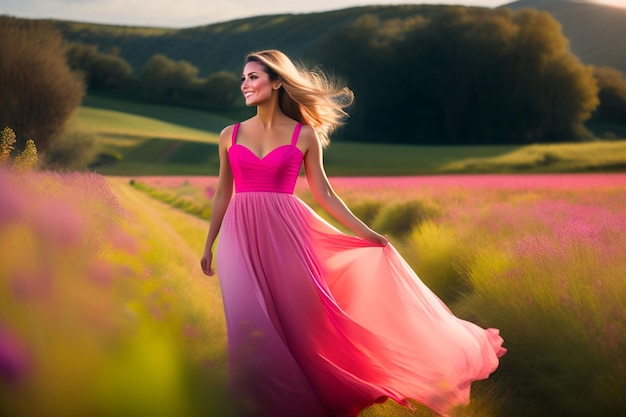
(228, 130)
(226, 136)
(308, 138)
(308, 135)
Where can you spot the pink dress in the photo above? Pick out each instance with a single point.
(324, 324)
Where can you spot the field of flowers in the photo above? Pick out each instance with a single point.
(540, 257)
(104, 311)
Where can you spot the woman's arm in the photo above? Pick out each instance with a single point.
(221, 199)
(325, 195)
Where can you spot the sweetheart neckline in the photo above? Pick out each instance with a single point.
(267, 154)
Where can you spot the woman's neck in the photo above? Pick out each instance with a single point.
(269, 113)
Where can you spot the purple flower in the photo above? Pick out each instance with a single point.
(14, 363)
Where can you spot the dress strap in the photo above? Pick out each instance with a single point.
(235, 129)
(296, 133)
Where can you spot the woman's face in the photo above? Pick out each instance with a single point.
(256, 85)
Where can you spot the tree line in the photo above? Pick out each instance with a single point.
(469, 76)
(448, 75)
(161, 79)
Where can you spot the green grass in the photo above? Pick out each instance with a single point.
(570, 157)
(179, 116)
(166, 157)
(349, 158)
(150, 138)
(166, 140)
(116, 118)
(124, 126)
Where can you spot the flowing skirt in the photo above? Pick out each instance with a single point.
(324, 324)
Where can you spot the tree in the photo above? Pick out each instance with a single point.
(107, 71)
(24, 160)
(165, 79)
(27, 159)
(72, 151)
(221, 90)
(612, 95)
(38, 91)
(370, 45)
(7, 144)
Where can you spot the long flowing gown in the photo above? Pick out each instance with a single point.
(320, 323)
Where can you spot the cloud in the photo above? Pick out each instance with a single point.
(170, 13)
(184, 13)
(81, 1)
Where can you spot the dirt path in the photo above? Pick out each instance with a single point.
(172, 242)
(183, 231)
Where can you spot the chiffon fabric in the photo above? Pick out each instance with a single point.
(324, 324)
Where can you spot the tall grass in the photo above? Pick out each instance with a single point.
(556, 279)
(183, 196)
(98, 315)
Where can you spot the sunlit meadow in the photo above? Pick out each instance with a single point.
(104, 311)
(540, 257)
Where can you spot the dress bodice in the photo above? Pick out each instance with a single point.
(275, 172)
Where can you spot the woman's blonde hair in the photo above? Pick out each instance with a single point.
(307, 96)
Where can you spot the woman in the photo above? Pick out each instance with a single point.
(321, 323)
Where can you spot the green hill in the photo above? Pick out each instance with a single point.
(596, 32)
(223, 45)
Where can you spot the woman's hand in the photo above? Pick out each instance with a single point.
(205, 263)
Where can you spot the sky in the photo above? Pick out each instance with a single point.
(188, 13)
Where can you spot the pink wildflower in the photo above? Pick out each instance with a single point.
(14, 363)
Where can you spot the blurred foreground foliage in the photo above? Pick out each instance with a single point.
(91, 318)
